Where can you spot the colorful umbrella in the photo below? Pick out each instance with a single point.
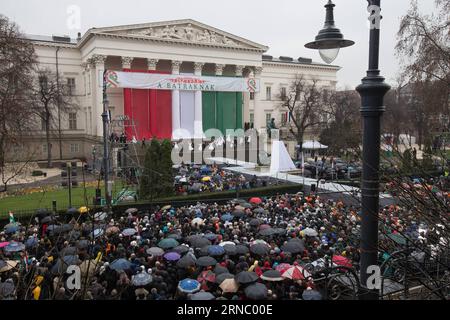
(229, 286)
(14, 247)
(207, 276)
(189, 285)
(172, 256)
(168, 243)
(9, 265)
(3, 244)
(295, 273)
(255, 200)
(155, 251)
(282, 267)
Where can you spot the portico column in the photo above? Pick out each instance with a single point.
(219, 69)
(126, 62)
(98, 62)
(256, 99)
(151, 63)
(176, 113)
(198, 119)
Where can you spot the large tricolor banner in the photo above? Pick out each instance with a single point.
(155, 81)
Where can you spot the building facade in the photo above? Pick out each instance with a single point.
(181, 47)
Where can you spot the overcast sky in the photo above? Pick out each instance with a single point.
(283, 25)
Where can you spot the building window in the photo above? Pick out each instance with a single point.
(283, 94)
(284, 118)
(44, 148)
(252, 118)
(252, 96)
(71, 86)
(72, 121)
(268, 93)
(74, 148)
(43, 124)
(268, 118)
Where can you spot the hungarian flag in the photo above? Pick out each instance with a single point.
(11, 217)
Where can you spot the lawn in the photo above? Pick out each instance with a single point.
(36, 200)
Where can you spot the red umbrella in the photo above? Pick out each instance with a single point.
(256, 200)
(207, 276)
(295, 273)
(342, 261)
(282, 267)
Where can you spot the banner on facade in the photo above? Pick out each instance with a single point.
(139, 80)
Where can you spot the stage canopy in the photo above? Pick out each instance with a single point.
(313, 145)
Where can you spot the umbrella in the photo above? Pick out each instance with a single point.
(267, 232)
(397, 238)
(9, 265)
(83, 244)
(31, 242)
(259, 249)
(129, 232)
(63, 263)
(255, 222)
(295, 273)
(255, 200)
(189, 285)
(181, 249)
(256, 291)
(72, 211)
(206, 179)
(3, 244)
(155, 251)
(206, 261)
(98, 233)
(207, 276)
(246, 277)
(239, 208)
(112, 230)
(293, 246)
(11, 228)
(241, 249)
(198, 222)
(6, 288)
(282, 267)
(202, 296)
(229, 286)
(230, 249)
(211, 236)
(186, 262)
(168, 243)
(120, 264)
(141, 279)
(238, 213)
(199, 242)
(172, 256)
(100, 216)
(246, 205)
(2, 264)
(175, 236)
(264, 226)
(224, 243)
(14, 247)
(272, 275)
(166, 207)
(219, 269)
(47, 219)
(279, 231)
(41, 213)
(68, 251)
(310, 294)
(62, 229)
(227, 217)
(259, 210)
(83, 210)
(216, 251)
(131, 210)
(310, 232)
(342, 261)
(73, 235)
(223, 276)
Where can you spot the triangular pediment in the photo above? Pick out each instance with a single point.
(187, 31)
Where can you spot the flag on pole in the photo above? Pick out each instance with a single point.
(303, 163)
(11, 217)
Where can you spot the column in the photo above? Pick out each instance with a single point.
(126, 62)
(98, 63)
(198, 122)
(176, 120)
(219, 69)
(152, 63)
(256, 99)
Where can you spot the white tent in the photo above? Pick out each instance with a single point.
(281, 160)
(313, 145)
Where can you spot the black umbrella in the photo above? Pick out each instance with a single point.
(279, 231)
(255, 222)
(41, 213)
(186, 262)
(63, 263)
(272, 275)
(246, 205)
(238, 213)
(223, 276)
(246, 277)
(83, 244)
(62, 229)
(267, 232)
(72, 211)
(206, 261)
(69, 251)
(47, 219)
(293, 246)
(199, 242)
(181, 249)
(241, 249)
(256, 291)
(220, 269)
(259, 249)
(230, 249)
(175, 236)
(259, 210)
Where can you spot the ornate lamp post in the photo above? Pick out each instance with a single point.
(372, 92)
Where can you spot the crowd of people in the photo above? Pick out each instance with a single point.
(256, 249)
(212, 178)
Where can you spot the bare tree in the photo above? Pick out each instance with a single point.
(343, 128)
(423, 42)
(303, 103)
(48, 97)
(17, 60)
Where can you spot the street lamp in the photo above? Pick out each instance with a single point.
(372, 92)
(94, 152)
(330, 39)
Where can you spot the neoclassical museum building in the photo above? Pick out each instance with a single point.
(165, 77)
